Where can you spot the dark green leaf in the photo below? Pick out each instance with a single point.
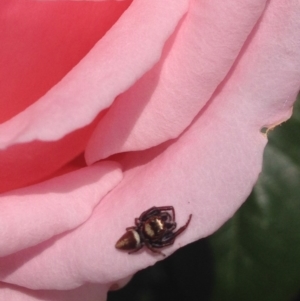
(257, 252)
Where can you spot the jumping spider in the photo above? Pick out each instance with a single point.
(153, 229)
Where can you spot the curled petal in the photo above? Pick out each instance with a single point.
(165, 100)
(36, 213)
(40, 43)
(101, 75)
(25, 164)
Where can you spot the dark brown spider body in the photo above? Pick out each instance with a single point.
(153, 229)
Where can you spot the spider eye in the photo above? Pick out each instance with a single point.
(164, 218)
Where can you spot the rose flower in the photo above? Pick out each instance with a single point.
(110, 108)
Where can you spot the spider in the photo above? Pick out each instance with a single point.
(153, 229)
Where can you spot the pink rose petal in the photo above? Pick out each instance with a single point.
(113, 65)
(36, 213)
(191, 175)
(41, 42)
(166, 99)
(36, 160)
(25, 164)
(208, 171)
(88, 292)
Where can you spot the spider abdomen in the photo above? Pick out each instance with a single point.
(129, 241)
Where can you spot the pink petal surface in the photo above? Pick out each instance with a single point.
(25, 164)
(88, 292)
(113, 64)
(41, 42)
(36, 213)
(209, 192)
(208, 171)
(166, 99)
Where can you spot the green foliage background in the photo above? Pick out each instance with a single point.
(257, 252)
(255, 256)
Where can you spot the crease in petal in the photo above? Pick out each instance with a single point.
(26, 164)
(36, 213)
(165, 100)
(90, 292)
(272, 58)
(112, 65)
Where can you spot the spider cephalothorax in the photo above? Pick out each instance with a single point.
(153, 229)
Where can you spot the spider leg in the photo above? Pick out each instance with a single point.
(169, 238)
(154, 250)
(156, 211)
(166, 217)
(147, 214)
(171, 226)
(168, 242)
(166, 208)
(181, 229)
